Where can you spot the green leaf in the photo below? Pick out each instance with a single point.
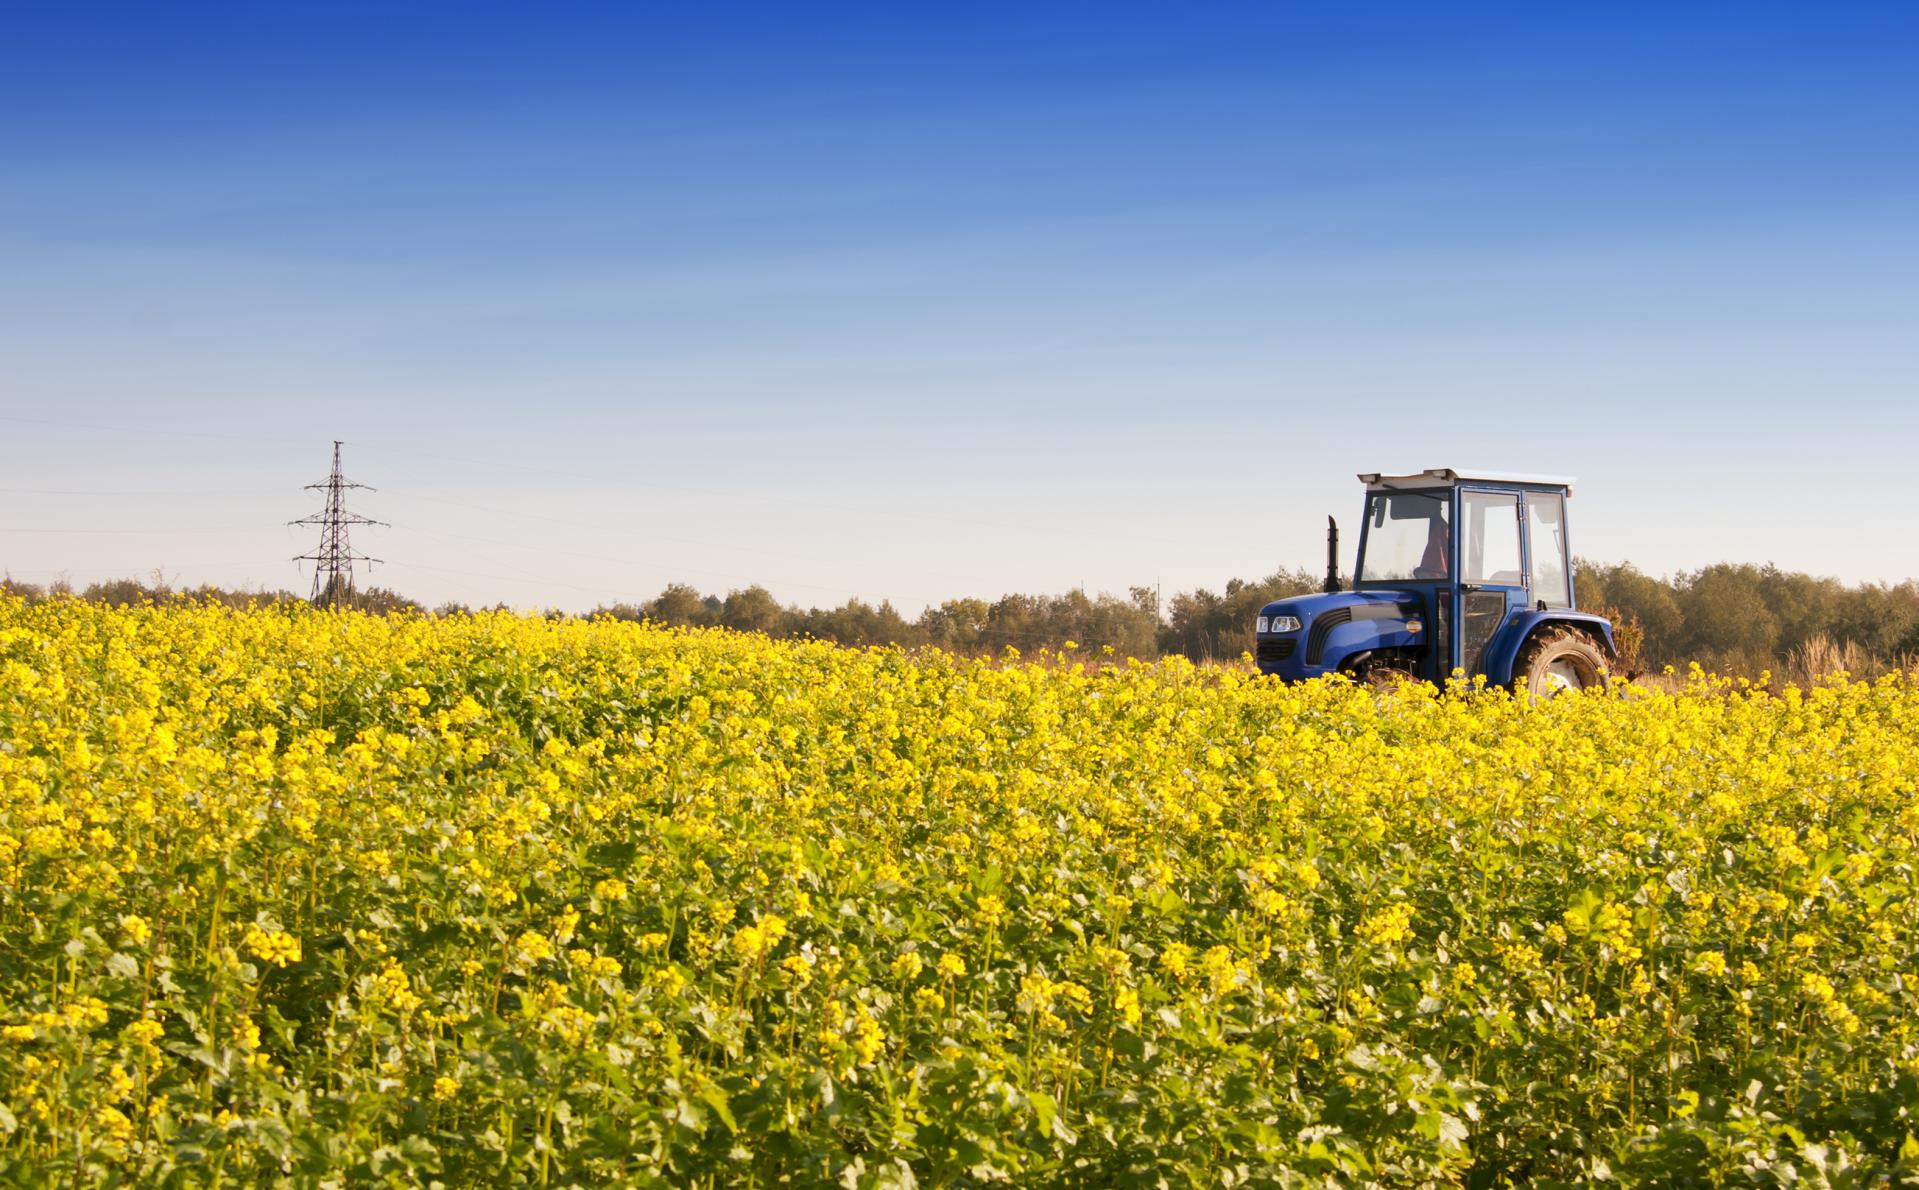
(1579, 914)
(1044, 1110)
(711, 1095)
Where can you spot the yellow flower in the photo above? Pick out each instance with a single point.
(1389, 926)
(445, 797)
(532, 947)
(391, 989)
(907, 967)
(752, 942)
(118, 1128)
(144, 1034)
(1176, 959)
(798, 966)
(272, 945)
(868, 1038)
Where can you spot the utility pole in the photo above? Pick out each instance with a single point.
(333, 560)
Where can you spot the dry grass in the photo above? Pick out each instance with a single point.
(1822, 657)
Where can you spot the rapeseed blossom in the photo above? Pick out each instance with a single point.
(603, 903)
(272, 945)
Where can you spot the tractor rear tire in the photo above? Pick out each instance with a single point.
(1556, 660)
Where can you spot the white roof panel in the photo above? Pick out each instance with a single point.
(1433, 476)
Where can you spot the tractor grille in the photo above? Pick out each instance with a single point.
(1322, 628)
(1272, 652)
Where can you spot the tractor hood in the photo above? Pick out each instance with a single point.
(1336, 628)
(1313, 605)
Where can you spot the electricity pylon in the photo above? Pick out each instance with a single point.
(333, 560)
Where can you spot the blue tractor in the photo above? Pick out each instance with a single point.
(1457, 571)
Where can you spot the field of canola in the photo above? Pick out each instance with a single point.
(477, 900)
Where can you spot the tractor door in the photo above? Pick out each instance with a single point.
(1492, 571)
(1548, 568)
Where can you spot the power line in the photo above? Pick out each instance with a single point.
(711, 495)
(627, 561)
(334, 558)
(145, 431)
(124, 532)
(1079, 528)
(137, 491)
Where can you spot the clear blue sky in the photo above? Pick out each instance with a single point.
(886, 301)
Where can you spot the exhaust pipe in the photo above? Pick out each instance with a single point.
(1332, 556)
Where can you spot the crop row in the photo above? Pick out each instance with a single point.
(291, 895)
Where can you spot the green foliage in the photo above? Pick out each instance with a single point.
(291, 897)
(1729, 618)
(1745, 619)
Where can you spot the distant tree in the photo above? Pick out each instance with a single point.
(122, 592)
(752, 610)
(856, 623)
(1209, 627)
(1018, 621)
(681, 606)
(958, 625)
(1733, 618)
(30, 592)
(243, 597)
(1652, 603)
(1729, 622)
(383, 601)
(1881, 618)
(1192, 625)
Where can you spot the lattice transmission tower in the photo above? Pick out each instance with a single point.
(333, 560)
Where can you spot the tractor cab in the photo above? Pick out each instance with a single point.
(1457, 572)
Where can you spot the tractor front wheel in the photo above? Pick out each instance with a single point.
(1556, 660)
(1383, 676)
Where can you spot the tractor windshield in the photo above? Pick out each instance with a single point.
(1408, 536)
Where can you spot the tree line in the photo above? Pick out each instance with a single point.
(1733, 618)
(1737, 618)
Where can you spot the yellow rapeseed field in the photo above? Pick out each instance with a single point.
(309, 896)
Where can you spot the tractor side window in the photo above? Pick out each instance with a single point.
(1492, 539)
(1407, 537)
(1546, 522)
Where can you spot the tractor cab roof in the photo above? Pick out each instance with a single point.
(1436, 476)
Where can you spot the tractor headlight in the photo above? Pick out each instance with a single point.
(1282, 624)
(1260, 625)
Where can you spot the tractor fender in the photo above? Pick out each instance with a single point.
(1504, 651)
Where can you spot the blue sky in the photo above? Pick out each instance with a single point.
(910, 303)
